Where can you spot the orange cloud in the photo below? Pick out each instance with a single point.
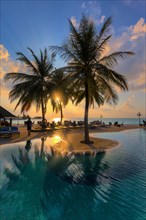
(107, 50)
(7, 64)
(138, 30)
(4, 55)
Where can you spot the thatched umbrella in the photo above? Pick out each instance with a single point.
(6, 114)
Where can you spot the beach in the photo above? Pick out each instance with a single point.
(70, 137)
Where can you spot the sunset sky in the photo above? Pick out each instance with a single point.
(39, 24)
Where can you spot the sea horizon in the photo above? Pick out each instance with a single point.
(132, 121)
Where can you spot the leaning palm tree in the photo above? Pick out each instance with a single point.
(34, 85)
(60, 94)
(93, 74)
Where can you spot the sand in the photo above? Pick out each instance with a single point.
(70, 138)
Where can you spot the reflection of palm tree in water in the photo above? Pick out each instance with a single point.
(80, 179)
(90, 168)
(43, 182)
(25, 185)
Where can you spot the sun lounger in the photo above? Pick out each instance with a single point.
(9, 130)
(14, 130)
(4, 131)
(144, 123)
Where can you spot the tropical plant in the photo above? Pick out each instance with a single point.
(60, 94)
(93, 74)
(33, 86)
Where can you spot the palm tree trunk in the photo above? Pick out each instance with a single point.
(61, 114)
(43, 111)
(86, 131)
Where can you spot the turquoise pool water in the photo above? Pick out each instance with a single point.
(39, 184)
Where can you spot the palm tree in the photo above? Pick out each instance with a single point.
(34, 85)
(93, 74)
(60, 94)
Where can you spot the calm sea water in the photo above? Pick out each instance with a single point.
(131, 121)
(39, 184)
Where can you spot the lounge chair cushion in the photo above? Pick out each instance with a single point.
(9, 130)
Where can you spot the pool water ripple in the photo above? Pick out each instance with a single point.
(44, 185)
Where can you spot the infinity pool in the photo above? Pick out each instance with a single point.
(37, 183)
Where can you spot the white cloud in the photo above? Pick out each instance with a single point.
(93, 10)
(102, 19)
(74, 22)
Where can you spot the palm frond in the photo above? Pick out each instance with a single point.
(111, 76)
(20, 77)
(25, 60)
(36, 59)
(32, 88)
(78, 97)
(101, 47)
(112, 59)
(105, 28)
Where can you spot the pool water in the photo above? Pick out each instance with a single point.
(38, 183)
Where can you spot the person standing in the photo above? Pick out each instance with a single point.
(29, 125)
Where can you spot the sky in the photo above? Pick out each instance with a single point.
(39, 24)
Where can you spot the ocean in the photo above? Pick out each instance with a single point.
(129, 121)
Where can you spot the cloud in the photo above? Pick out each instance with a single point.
(4, 55)
(7, 65)
(132, 38)
(101, 20)
(74, 22)
(138, 30)
(134, 68)
(138, 81)
(125, 40)
(107, 50)
(93, 10)
(130, 103)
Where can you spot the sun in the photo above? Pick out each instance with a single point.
(56, 120)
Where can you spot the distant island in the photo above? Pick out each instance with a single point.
(26, 117)
(37, 117)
